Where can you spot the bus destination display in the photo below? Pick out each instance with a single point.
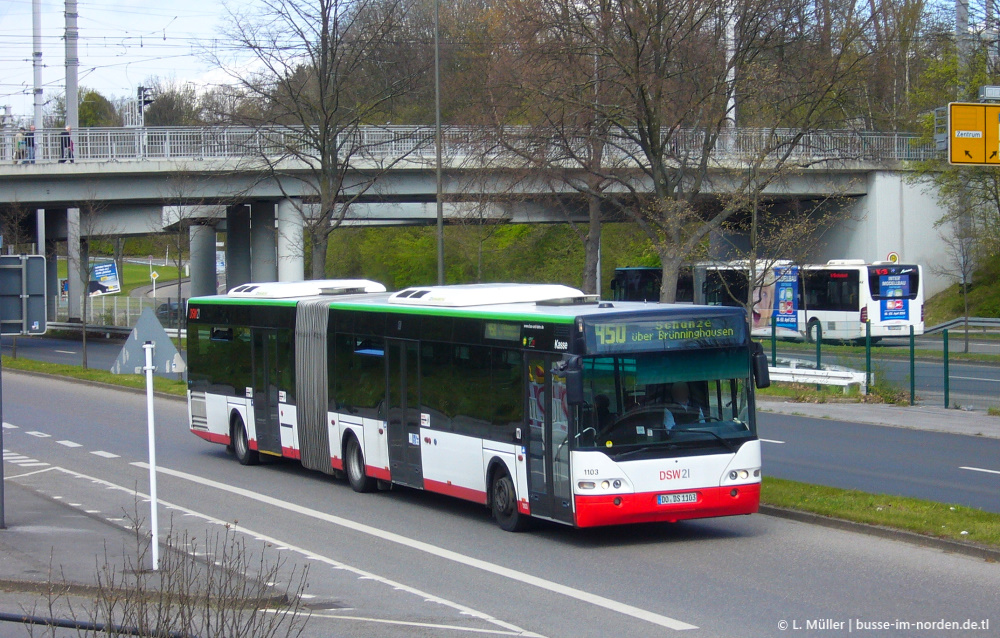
(630, 336)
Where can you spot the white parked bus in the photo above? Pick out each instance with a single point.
(840, 297)
(534, 400)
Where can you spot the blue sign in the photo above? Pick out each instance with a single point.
(786, 295)
(894, 289)
(104, 279)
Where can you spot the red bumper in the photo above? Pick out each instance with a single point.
(592, 511)
(209, 436)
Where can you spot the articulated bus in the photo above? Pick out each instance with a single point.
(839, 297)
(536, 401)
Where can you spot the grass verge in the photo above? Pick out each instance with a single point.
(939, 520)
(857, 353)
(167, 386)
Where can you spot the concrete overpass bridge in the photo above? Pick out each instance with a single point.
(145, 180)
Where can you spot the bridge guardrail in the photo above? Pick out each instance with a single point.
(397, 142)
(975, 322)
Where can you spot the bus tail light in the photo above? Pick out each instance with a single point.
(864, 315)
(921, 313)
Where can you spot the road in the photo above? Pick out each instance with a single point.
(881, 459)
(405, 563)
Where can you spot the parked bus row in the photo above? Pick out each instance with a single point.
(797, 301)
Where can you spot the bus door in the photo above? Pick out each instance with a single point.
(549, 488)
(265, 391)
(403, 412)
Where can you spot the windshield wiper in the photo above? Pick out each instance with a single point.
(722, 440)
(644, 448)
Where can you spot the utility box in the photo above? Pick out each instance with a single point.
(22, 295)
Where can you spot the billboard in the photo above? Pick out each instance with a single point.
(104, 279)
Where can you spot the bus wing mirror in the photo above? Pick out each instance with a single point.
(572, 369)
(762, 378)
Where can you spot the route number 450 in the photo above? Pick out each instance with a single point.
(610, 334)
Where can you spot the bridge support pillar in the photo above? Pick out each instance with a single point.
(202, 260)
(76, 284)
(237, 246)
(263, 249)
(291, 256)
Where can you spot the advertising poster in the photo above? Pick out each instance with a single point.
(104, 279)
(786, 294)
(894, 289)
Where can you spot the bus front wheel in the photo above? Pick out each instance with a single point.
(241, 444)
(503, 502)
(354, 460)
(812, 330)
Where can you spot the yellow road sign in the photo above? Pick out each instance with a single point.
(974, 134)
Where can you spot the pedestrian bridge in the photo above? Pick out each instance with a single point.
(252, 181)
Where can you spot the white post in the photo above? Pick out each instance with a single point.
(153, 523)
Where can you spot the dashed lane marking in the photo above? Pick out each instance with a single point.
(434, 550)
(427, 597)
(979, 469)
(40, 435)
(68, 443)
(772, 441)
(403, 623)
(105, 455)
(9, 426)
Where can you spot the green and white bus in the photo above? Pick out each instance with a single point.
(537, 401)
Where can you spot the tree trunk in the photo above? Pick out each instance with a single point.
(671, 269)
(592, 246)
(320, 242)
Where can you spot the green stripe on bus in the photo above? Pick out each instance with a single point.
(406, 310)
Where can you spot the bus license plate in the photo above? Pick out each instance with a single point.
(671, 499)
(895, 327)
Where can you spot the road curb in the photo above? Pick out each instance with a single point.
(972, 550)
(95, 384)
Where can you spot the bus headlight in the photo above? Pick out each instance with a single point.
(617, 484)
(733, 475)
(586, 485)
(744, 474)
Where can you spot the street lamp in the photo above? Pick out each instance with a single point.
(437, 144)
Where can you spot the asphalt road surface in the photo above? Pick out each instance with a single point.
(404, 562)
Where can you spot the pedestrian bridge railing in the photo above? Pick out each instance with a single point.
(391, 143)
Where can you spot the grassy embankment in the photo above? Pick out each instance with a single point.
(134, 275)
(914, 515)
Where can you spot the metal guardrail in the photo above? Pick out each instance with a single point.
(120, 331)
(975, 322)
(417, 142)
(833, 375)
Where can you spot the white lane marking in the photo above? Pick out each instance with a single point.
(65, 351)
(434, 550)
(427, 597)
(771, 441)
(9, 426)
(14, 457)
(386, 621)
(106, 455)
(30, 463)
(972, 378)
(68, 443)
(978, 469)
(48, 469)
(41, 435)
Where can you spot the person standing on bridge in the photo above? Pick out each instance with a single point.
(19, 145)
(29, 141)
(66, 143)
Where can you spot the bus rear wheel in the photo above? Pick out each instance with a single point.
(354, 462)
(503, 502)
(241, 444)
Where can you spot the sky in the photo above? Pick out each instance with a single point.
(123, 43)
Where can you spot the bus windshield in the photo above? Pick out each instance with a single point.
(686, 399)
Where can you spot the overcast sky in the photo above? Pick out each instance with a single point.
(122, 44)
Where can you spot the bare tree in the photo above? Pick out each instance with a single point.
(314, 66)
(960, 236)
(654, 124)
